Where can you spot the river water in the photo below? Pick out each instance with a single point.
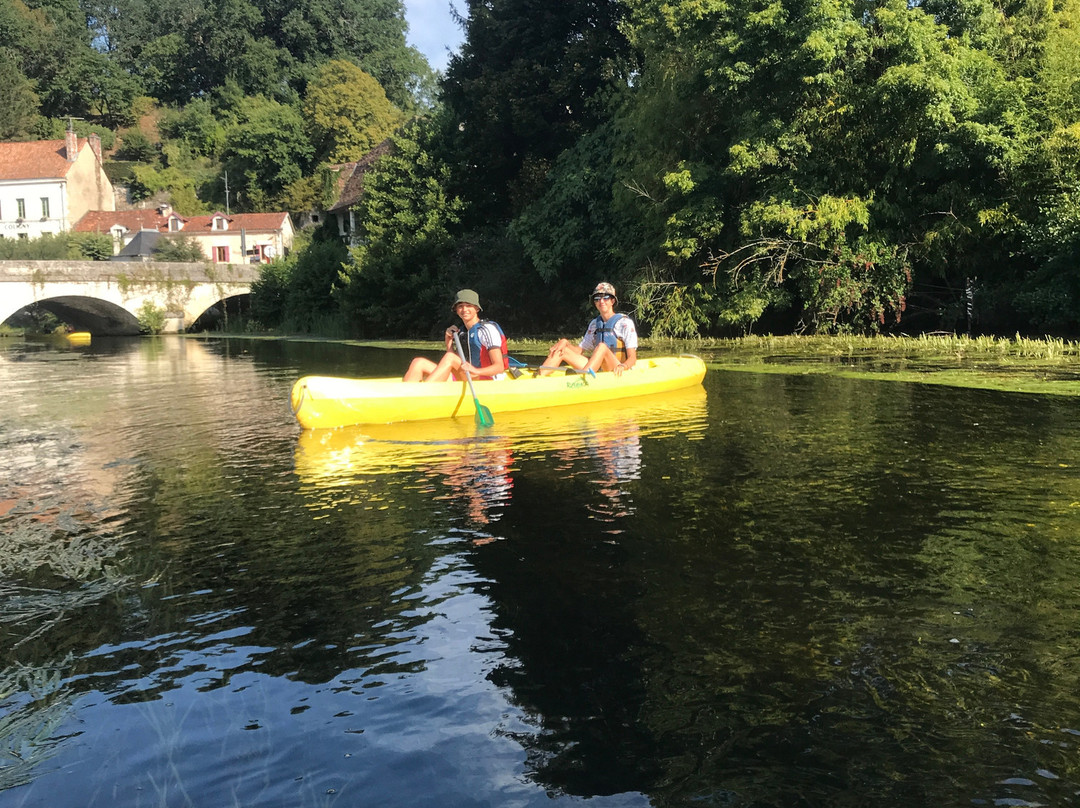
(778, 590)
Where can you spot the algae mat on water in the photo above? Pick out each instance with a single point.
(1044, 366)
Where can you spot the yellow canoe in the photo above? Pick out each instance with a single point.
(321, 402)
(329, 457)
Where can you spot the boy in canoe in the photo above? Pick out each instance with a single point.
(611, 338)
(485, 348)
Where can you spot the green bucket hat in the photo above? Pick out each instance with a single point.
(467, 296)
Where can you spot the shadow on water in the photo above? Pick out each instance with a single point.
(796, 591)
(849, 594)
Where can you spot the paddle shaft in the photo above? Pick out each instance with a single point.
(483, 414)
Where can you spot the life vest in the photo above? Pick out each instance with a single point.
(605, 332)
(478, 353)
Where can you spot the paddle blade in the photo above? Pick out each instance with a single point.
(483, 415)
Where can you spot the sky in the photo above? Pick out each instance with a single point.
(432, 31)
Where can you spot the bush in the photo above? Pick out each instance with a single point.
(136, 146)
(178, 248)
(151, 318)
(90, 246)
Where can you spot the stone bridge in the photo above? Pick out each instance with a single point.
(105, 297)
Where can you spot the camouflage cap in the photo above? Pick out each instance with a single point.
(604, 288)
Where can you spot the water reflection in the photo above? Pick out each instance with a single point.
(807, 591)
(474, 468)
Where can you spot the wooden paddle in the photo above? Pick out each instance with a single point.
(483, 414)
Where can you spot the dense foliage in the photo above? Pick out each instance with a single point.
(786, 165)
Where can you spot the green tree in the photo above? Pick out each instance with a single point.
(816, 156)
(183, 51)
(269, 148)
(572, 234)
(347, 112)
(50, 44)
(136, 146)
(90, 246)
(18, 101)
(531, 78)
(298, 293)
(178, 248)
(370, 33)
(393, 279)
(196, 126)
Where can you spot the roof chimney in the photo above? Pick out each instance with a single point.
(71, 144)
(95, 143)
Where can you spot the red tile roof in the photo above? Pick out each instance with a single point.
(248, 221)
(102, 221)
(35, 160)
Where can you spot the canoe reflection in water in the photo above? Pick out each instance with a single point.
(381, 467)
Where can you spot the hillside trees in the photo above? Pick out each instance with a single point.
(347, 112)
(267, 150)
(18, 102)
(49, 44)
(184, 50)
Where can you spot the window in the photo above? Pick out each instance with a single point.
(221, 255)
(219, 223)
(174, 224)
(21, 205)
(44, 207)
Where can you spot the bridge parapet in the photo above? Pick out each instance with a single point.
(121, 271)
(106, 296)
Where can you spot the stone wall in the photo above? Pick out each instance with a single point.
(125, 272)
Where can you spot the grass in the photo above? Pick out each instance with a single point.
(1019, 364)
(924, 346)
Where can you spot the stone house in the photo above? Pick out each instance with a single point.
(238, 238)
(46, 186)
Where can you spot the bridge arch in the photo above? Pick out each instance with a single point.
(105, 297)
(90, 314)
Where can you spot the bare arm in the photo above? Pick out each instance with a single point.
(629, 362)
(496, 367)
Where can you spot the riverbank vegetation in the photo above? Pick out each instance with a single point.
(799, 166)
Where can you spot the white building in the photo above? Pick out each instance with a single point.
(46, 186)
(240, 238)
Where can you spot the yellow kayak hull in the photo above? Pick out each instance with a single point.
(339, 458)
(325, 402)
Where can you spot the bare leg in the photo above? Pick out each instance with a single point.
(563, 351)
(424, 370)
(447, 366)
(553, 360)
(603, 358)
(418, 369)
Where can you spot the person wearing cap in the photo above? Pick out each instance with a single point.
(485, 348)
(611, 339)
